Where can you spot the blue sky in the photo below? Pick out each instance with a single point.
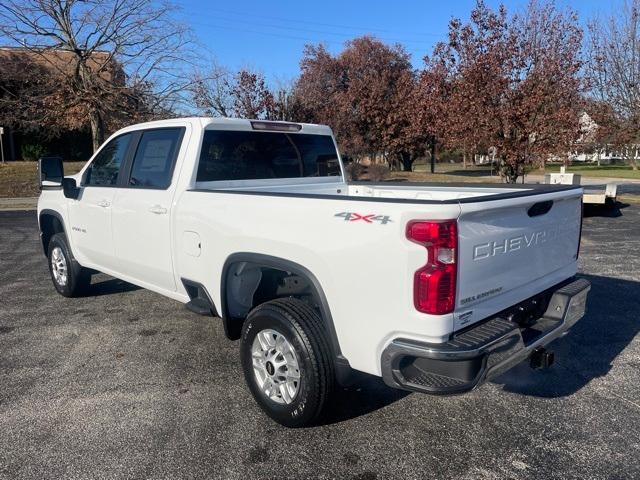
(269, 36)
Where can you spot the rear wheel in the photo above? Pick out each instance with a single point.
(69, 278)
(287, 361)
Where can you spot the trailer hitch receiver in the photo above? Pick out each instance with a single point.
(541, 358)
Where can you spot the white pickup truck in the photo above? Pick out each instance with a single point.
(434, 287)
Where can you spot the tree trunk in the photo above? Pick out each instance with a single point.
(629, 155)
(407, 161)
(510, 173)
(97, 130)
(464, 160)
(433, 157)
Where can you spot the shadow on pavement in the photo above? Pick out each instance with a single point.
(367, 394)
(590, 347)
(609, 210)
(109, 287)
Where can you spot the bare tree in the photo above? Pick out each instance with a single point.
(287, 104)
(251, 97)
(614, 61)
(113, 59)
(245, 94)
(210, 91)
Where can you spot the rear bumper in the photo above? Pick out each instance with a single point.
(482, 352)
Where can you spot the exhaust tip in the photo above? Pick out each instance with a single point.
(541, 358)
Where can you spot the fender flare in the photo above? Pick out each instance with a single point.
(53, 213)
(47, 211)
(289, 266)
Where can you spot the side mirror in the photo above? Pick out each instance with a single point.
(70, 188)
(51, 171)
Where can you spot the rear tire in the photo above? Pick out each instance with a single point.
(69, 278)
(287, 361)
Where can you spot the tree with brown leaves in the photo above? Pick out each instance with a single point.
(512, 83)
(365, 93)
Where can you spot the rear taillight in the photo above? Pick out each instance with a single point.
(434, 285)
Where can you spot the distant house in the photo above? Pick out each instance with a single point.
(586, 150)
(72, 144)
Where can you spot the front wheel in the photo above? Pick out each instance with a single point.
(69, 278)
(287, 361)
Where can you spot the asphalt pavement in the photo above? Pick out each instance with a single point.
(124, 383)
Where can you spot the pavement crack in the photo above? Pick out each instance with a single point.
(620, 397)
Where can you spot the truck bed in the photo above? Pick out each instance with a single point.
(410, 192)
(332, 228)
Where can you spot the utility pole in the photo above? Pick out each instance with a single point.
(1, 145)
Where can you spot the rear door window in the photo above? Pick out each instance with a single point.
(233, 155)
(155, 158)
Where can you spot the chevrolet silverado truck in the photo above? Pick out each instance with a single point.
(436, 288)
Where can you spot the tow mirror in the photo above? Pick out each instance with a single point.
(70, 188)
(51, 171)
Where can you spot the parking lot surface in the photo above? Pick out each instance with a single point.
(127, 384)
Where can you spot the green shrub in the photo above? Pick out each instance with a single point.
(31, 151)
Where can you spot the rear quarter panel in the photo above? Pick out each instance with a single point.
(364, 268)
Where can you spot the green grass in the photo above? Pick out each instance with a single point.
(614, 171)
(452, 176)
(20, 179)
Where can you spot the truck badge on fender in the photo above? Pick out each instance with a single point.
(369, 218)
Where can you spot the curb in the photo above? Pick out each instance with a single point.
(27, 203)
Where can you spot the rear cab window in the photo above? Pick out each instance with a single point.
(249, 155)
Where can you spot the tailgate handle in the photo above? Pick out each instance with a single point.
(540, 208)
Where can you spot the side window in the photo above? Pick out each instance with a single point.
(105, 167)
(155, 157)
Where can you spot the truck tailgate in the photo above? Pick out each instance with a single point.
(511, 250)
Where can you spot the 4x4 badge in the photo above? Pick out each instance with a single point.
(367, 218)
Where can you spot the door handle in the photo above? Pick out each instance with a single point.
(104, 203)
(158, 210)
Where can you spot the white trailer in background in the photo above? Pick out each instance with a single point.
(593, 195)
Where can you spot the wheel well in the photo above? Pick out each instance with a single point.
(249, 279)
(249, 284)
(49, 225)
